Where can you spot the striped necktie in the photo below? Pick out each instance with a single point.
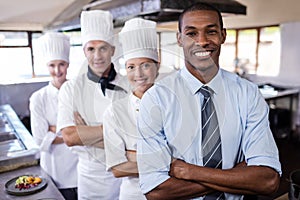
(211, 140)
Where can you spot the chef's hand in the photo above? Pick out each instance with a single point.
(57, 140)
(131, 155)
(78, 119)
(52, 129)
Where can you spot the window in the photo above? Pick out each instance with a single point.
(15, 55)
(246, 50)
(269, 51)
(38, 66)
(18, 60)
(252, 51)
(171, 53)
(228, 51)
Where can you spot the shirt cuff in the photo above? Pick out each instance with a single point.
(150, 181)
(47, 141)
(266, 161)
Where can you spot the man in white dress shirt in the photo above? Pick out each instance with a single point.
(172, 151)
(82, 102)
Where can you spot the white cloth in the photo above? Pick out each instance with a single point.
(120, 134)
(56, 159)
(86, 97)
(94, 182)
(96, 25)
(54, 46)
(139, 39)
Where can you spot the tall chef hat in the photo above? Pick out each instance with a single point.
(139, 39)
(54, 46)
(96, 25)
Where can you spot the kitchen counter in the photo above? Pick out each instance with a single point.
(50, 192)
(17, 146)
(272, 94)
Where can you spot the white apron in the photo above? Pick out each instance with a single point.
(91, 175)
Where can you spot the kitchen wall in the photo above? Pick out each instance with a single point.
(290, 52)
(17, 95)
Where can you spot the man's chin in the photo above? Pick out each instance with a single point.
(60, 80)
(203, 64)
(98, 70)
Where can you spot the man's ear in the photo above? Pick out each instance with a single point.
(113, 49)
(224, 34)
(179, 39)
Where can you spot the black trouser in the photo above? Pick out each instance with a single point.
(69, 193)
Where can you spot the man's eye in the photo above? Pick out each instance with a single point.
(191, 34)
(90, 49)
(212, 32)
(62, 64)
(146, 65)
(103, 49)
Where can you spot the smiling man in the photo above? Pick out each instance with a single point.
(205, 131)
(82, 102)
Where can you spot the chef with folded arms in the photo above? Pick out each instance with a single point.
(139, 43)
(56, 157)
(82, 102)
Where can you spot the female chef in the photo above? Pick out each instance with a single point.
(56, 157)
(139, 42)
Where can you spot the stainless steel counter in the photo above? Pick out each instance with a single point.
(19, 156)
(49, 192)
(17, 146)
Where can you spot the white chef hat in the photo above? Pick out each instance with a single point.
(139, 39)
(54, 46)
(96, 25)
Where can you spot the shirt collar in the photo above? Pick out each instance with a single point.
(52, 88)
(194, 84)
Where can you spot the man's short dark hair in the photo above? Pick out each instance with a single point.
(196, 7)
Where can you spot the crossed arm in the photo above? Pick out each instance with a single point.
(188, 180)
(57, 140)
(128, 168)
(82, 134)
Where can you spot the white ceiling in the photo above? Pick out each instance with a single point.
(30, 14)
(265, 12)
(37, 14)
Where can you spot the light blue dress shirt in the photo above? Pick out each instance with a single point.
(169, 124)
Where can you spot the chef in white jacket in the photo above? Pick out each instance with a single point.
(139, 43)
(56, 157)
(82, 102)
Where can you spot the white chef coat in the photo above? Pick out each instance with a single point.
(56, 159)
(120, 134)
(86, 97)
